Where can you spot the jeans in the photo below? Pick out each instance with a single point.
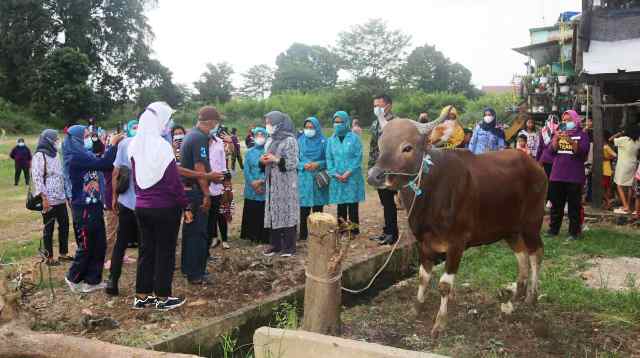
(91, 239)
(570, 193)
(159, 232)
(57, 213)
(387, 198)
(128, 231)
(304, 215)
(194, 239)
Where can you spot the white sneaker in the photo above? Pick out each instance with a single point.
(286, 255)
(548, 204)
(74, 287)
(215, 243)
(225, 246)
(87, 288)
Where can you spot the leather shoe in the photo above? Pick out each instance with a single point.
(388, 240)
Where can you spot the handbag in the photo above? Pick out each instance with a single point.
(122, 184)
(322, 179)
(34, 202)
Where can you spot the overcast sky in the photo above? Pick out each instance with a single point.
(477, 33)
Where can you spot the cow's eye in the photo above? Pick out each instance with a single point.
(407, 148)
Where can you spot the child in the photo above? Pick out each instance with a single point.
(607, 171)
(522, 143)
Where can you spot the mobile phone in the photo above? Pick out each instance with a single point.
(562, 127)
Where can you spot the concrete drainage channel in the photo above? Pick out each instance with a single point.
(205, 340)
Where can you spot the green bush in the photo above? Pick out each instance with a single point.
(16, 120)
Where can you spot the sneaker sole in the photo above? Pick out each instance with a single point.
(269, 254)
(71, 285)
(172, 307)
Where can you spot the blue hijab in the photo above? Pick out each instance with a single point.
(259, 130)
(73, 147)
(312, 148)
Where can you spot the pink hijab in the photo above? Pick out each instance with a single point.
(575, 118)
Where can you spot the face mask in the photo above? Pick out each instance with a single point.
(20, 144)
(378, 111)
(570, 125)
(488, 119)
(270, 129)
(94, 139)
(213, 132)
(58, 145)
(260, 141)
(178, 137)
(310, 133)
(88, 143)
(340, 128)
(132, 133)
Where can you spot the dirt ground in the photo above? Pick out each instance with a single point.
(241, 276)
(477, 328)
(619, 273)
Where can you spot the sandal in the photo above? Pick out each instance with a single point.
(620, 211)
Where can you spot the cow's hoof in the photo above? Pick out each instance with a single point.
(437, 331)
(419, 307)
(531, 299)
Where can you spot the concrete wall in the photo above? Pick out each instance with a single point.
(277, 343)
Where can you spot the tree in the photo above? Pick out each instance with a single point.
(27, 33)
(305, 68)
(215, 84)
(64, 89)
(429, 70)
(159, 86)
(372, 50)
(257, 81)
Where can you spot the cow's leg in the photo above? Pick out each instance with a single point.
(519, 248)
(536, 260)
(454, 254)
(424, 273)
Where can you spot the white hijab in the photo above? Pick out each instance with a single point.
(151, 152)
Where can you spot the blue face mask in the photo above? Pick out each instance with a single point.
(571, 126)
(340, 129)
(88, 143)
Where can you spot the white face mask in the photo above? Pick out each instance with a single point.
(310, 133)
(488, 119)
(260, 141)
(20, 144)
(178, 137)
(58, 145)
(270, 129)
(378, 111)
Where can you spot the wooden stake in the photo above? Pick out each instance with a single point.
(597, 193)
(322, 295)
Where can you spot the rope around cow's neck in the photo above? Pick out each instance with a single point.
(424, 167)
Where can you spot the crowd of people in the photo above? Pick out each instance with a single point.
(141, 187)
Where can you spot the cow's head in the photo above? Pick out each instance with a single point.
(402, 147)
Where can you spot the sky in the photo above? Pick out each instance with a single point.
(479, 34)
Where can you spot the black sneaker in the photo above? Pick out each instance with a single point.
(169, 303)
(388, 240)
(112, 288)
(148, 301)
(378, 238)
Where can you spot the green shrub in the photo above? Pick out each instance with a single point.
(16, 120)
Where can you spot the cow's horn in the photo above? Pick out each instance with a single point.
(426, 128)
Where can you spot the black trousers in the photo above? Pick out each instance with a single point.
(284, 240)
(253, 222)
(387, 199)
(128, 231)
(349, 212)
(19, 170)
(216, 221)
(194, 239)
(304, 215)
(547, 169)
(57, 213)
(570, 193)
(159, 233)
(91, 238)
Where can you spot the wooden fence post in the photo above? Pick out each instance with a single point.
(322, 294)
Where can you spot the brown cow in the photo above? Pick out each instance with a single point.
(457, 200)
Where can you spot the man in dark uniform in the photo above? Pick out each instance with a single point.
(382, 110)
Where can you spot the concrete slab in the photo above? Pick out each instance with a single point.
(272, 342)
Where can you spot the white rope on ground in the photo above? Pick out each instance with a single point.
(416, 193)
